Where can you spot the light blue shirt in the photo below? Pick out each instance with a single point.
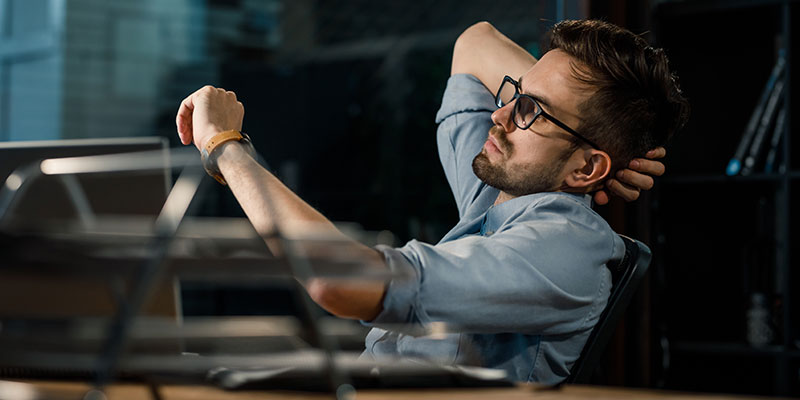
(523, 282)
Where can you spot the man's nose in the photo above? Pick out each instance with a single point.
(502, 117)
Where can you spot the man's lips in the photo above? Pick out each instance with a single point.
(492, 144)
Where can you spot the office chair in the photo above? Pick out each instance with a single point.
(626, 275)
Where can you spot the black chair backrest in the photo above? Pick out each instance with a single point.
(626, 275)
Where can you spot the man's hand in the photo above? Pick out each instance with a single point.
(207, 112)
(632, 180)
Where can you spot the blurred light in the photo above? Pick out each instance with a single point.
(14, 181)
(136, 161)
(19, 391)
(58, 166)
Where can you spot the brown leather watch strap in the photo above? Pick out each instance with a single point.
(221, 138)
(209, 156)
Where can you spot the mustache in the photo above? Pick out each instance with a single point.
(500, 135)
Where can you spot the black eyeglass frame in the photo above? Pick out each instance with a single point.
(517, 95)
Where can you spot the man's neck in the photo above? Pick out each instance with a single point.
(503, 197)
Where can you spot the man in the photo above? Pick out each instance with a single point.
(521, 279)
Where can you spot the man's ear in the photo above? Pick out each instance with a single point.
(592, 171)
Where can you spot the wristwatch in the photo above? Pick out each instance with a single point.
(211, 152)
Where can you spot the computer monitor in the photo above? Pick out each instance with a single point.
(47, 198)
(45, 205)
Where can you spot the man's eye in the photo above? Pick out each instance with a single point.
(541, 121)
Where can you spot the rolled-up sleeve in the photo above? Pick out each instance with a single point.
(464, 120)
(520, 279)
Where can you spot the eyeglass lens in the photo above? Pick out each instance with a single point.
(524, 110)
(506, 93)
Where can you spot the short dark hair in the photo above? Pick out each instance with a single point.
(637, 104)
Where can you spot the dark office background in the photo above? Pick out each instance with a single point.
(340, 98)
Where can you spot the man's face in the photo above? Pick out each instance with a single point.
(534, 160)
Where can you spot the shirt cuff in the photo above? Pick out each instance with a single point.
(401, 292)
(464, 93)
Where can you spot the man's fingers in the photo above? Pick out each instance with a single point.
(185, 131)
(627, 192)
(635, 179)
(601, 197)
(649, 167)
(658, 152)
(183, 119)
(212, 109)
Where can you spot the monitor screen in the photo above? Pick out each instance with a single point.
(45, 205)
(47, 198)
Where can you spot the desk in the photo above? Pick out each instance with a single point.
(68, 390)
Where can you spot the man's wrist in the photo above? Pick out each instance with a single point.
(232, 152)
(220, 144)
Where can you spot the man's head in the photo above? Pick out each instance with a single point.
(606, 97)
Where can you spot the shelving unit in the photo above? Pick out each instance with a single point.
(710, 178)
(719, 238)
(735, 348)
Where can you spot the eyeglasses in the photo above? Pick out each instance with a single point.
(527, 109)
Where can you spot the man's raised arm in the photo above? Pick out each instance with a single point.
(268, 203)
(484, 52)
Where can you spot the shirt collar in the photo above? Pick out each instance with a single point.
(497, 215)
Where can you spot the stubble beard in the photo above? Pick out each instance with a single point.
(527, 179)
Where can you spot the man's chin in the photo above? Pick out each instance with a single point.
(541, 178)
(486, 171)
(487, 160)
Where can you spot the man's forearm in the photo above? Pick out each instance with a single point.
(268, 203)
(272, 207)
(484, 52)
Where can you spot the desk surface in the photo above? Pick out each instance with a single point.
(69, 390)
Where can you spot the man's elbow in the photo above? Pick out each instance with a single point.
(475, 32)
(346, 300)
(467, 44)
(325, 294)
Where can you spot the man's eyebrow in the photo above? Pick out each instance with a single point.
(542, 102)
